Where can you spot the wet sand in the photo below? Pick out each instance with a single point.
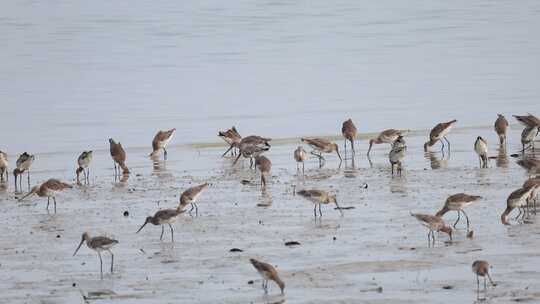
(375, 253)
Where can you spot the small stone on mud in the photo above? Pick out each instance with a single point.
(58, 236)
(250, 282)
(236, 250)
(126, 213)
(470, 234)
(448, 287)
(292, 243)
(74, 284)
(335, 238)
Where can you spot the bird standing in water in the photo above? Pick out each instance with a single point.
(3, 166)
(84, 161)
(438, 133)
(501, 124)
(349, 131)
(481, 148)
(24, 162)
(119, 157)
(48, 189)
(300, 157)
(98, 244)
(163, 217)
(267, 272)
(160, 141)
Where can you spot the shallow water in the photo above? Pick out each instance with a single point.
(377, 244)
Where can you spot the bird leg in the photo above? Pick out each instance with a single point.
(48, 201)
(458, 216)
(54, 199)
(448, 142)
(162, 230)
(112, 259)
(100, 264)
(172, 233)
(164, 154)
(315, 211)
(320, 212)
(467, 218)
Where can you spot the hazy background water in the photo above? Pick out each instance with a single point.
(73, 74)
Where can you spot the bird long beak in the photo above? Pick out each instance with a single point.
(339, 208)
(27, 195)
(142, 227)
(78, 247)
(369, 149)
(236, 160)
(337, 151)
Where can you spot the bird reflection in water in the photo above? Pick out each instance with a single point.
(435, 161)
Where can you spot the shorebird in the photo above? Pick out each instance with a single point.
(265, 165)
(231, 137)
(251, 147)
(501, 124)
(84, 161)
(438, 133)
(528, 120)
(349, 131)
(3, 166)
(160, 141)
(190, 196)
(322, 146)
(458, 202)
(385, 137)
(481, 148)
(534, 184)
(532, 165)
(300, 157)
(527, 137)
(516, 199)
(481, 269)
(319, 197)
(267, 272)
(397, 154)
(251, 152)
(434, 224)
(48, 189)
(162, 217)
(119, 157)
(24, 162)
(98, 244)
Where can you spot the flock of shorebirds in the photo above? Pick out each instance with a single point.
(253, 147)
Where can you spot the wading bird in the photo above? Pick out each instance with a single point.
(48, 189)
(322, 146)
(267, 272)
(300, 157)
(349, 131)
(3, 166)
(501, 124)
(516, 199)
(24, 162)
(458, 202)
(481, 148)
(119, 157)
(433, 224)
(397, 154)
(84, 161)
(264, 165)
(319, 197)
(160, 141)
(438, 133)
(162, 218)
(385, 137)
(98, 244)
(231, 137)
(481, 269)
(190, 196)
